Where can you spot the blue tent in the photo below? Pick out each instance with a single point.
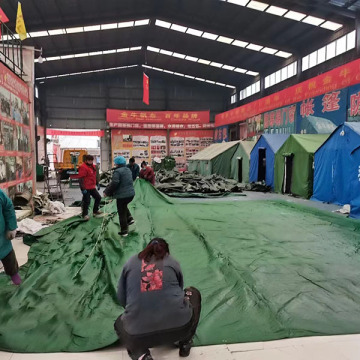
(262, 157)
(337, 168)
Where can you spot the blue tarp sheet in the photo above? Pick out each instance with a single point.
(336, 173)
(272, 143)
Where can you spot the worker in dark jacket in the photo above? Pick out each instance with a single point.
(88, 182)
(134, 167)
(122, 189)
(157, 309)
(8, 226)
(147, 173)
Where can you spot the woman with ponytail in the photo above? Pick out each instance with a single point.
(157, 309)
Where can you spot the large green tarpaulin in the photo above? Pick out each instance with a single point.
(300, 150)
(266, 270)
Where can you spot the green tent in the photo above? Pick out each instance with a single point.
(223, 159)
(294, 170)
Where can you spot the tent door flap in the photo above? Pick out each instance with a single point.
(288, 167)
(262, 165)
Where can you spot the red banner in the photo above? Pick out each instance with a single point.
(335, 79)
(157, 117)
(161, 126)
(75, 133)
(146, 89)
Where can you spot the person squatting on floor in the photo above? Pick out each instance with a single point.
(157, 310)
(88, 182)
(147, 173)
(8, 226)
(134, 167)
(122, 189)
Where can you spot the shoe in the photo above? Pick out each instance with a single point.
(86, 217)
(98, 214)
(130, 222)
(147, 356)
(184, 348)
(16, 279)
(123, 233)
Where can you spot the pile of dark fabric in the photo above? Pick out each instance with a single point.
(258, 187)
(176, 182)
(105, 178)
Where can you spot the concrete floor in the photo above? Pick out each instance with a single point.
(311, 348)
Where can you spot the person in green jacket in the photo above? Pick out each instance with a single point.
(8, 226)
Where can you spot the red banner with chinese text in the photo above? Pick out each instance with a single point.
(335, 79)
(75, 133)
(157, 117)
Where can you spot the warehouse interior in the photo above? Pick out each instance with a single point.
(243, 118)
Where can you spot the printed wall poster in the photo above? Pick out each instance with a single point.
(280, 121)
(158, 146)
(221, 134)
(41, 145)
(255, 125)
(16, 129)
(322, 114)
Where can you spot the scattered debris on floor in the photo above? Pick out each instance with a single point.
(106, 177)
(30, 226)
(44, 206)
(174, 181)
(344, 210)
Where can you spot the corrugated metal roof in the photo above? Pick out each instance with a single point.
(214, 150)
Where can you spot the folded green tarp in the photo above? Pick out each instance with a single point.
(266, 270)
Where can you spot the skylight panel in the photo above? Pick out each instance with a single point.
(283, 54)
(38, 34)
(194, 32)
(95, 53)
(216, 64)
(135, 48)
(166, 52)
(252, 73)
(254, 47)
(74, 30)
(240, 43)
(275, 10)
(163, 24)
(227, 67)
(109, 26)
(178, 28)
(329, 25)
(203, 61)
(109, 52)
(238, 2)
(80, 55)
(257, 5)
(312, 20)
(180, 56)
(210, 36)
(268, 50)
(191, 58)
(294, 15)
(240, 70)
(154, 49)
(225, 39)
(92, 28)
(142, 22)
(125, 24)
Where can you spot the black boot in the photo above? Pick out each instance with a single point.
(184, 348)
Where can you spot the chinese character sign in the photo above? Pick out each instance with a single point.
(280, 121)
(322, 114)
(354, 104)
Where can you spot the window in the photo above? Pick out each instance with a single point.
(250, 90)
(335, 48)
(233, 99)
(281, 75)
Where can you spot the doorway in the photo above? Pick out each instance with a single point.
(240, 169)
(262, 165)
(288, 167)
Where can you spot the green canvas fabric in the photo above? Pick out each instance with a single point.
(260, 266)
(243, 150)
(303, 148)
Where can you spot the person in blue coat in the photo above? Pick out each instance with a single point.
(121, 188)
(134, 167)
(8, 226)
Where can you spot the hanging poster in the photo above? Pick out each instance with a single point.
(221, 134)
(144, 145)
(186, 143)
(280, 121)
(16, 129)
(322, 114)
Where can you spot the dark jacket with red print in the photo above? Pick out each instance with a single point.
(153, 296)
(87, 176)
